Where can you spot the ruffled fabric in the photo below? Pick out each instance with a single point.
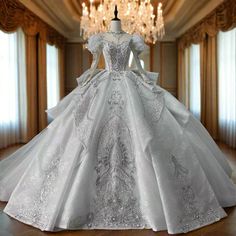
(99, 74)
(95, 43)
(152, 77)
(138, 43)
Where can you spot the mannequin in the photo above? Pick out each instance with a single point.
(116, 23)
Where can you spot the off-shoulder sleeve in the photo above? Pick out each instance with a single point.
(138, 43)
(95, 43)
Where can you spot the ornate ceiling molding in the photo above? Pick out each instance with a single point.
(13, 15)
(222, 18)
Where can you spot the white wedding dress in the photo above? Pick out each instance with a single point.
(121, 153)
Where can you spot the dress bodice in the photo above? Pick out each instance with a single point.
(116, 55)
(116, 49)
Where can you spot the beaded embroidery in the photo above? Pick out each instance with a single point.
(152, 101)
(42, 186)
(81, 113)
(115, 204)
(192, 216)
(116, 55)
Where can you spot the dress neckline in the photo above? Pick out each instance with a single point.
(116, 32)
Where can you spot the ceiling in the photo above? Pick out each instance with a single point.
(64, 15)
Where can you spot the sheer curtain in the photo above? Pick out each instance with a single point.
(53, 83)
(227, 86)
(12, 88)
(194, 81)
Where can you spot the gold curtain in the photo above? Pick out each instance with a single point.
(62, 71)
(205, 33)
(209, 86)
(37, 34)
(31, 86)
(222, 18)
(42, 84)
(183, 75)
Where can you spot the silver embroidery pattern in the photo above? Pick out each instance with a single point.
(82, 119)
(42, 185)
(83, 102)
(192, 216)
(116, 102)
(115, 204)
(152, 101)
(117, 75)
(116, 55)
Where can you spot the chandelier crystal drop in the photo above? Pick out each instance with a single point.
(138, 16)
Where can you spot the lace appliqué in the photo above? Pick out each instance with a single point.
(115, 204)
(81, 113)
(138, 43)
(152, 101)
(192, 216)
(118, 75)
(116, 102)
(34, 207)
(116, 55)
(95, 43)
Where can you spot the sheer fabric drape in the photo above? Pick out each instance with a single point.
(227, 86)
(53, 81)
(12, 88)
(194, 81)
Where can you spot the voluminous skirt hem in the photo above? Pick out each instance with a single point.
(194, 225)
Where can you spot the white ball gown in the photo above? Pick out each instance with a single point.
(121, 153)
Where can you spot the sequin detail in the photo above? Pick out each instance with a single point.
(116, 55)
(83, 119)
(152, 101)
(115, 204)
(192, 217)
(116, 102)
(40, 187)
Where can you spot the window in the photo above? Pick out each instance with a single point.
(144, 58)
(194, 81)
(227, 86)
(53, 85)
(12, 87)
(192, 75)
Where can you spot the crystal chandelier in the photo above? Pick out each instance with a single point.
(137, 16)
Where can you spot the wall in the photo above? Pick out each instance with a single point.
(164, 61)
(77, 61)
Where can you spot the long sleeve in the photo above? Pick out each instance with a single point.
(138, 45)
(95, 47)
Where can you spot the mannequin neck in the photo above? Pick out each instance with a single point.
(115, 26)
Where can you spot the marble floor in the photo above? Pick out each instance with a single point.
(225, 227)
